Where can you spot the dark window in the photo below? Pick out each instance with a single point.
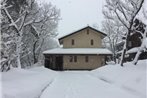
(72, 42)
(92, 42)
(86, 58)
(87, 31)
(70, 59)
(75, 58)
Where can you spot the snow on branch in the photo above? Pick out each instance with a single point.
(11, 20)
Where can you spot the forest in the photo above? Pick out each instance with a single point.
(27, 29)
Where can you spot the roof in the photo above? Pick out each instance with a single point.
(135, 49)
(98, 51)
(64, 36)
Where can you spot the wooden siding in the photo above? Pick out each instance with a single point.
(94, 62)
(83, 40)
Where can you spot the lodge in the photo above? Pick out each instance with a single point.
(82, 50)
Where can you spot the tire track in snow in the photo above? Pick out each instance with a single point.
(46, 87)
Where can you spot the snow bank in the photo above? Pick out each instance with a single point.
(130, 77)
(19, 83)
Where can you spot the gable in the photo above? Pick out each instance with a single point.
(88, 27)
(84, 38)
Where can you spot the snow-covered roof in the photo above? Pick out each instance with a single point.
(78, 51)
(132, 50)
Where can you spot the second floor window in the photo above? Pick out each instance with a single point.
(87, 31)
(92, 42)
(72, 42)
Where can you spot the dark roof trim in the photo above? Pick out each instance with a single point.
(81, 30)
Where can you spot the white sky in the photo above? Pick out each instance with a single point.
(76, 14)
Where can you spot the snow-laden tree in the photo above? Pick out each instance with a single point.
(125, 12)
(46, 29)
(23, 23)
(143, 46)
(12, 30)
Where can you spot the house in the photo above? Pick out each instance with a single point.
(82, 50)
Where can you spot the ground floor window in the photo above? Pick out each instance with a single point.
(73, 59)
(70, 59)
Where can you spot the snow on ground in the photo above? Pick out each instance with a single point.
(130, 77)
(111, 81)
(83, 85)
(19, 83)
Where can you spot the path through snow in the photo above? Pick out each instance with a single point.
(83, 85)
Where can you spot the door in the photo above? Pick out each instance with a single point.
(59, 62)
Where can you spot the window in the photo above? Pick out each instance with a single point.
(92, 42)
(75, 58)
(72, 42)
(70, 59)
(87, 31)
(86, 58)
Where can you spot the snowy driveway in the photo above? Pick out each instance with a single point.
(83, 85)
(111, 81)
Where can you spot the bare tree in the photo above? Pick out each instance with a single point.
(113, 31)
(124, 11)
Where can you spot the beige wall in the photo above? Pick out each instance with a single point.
(94, 62)
(83, 40)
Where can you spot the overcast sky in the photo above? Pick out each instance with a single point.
(76, 14)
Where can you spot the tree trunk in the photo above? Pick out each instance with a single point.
(34, 54)
(18, 49)
(125, 46)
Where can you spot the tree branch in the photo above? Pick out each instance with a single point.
(121, 19)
